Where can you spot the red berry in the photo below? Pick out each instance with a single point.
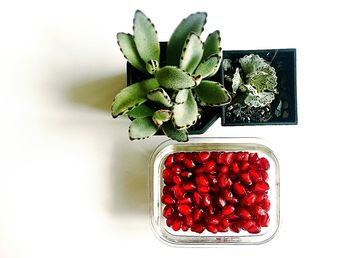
(265, 204)
(264, 164)
(253, 158)
(197, 199)
(167, 199)
(213, 220)
(224, 222)
(188, 220)
(177, 179)
(203, 189)
(178, 157)
(206, 200)
(239, 156)
(228, 158)
(203, 156)
(245, 166)
(188, 163)
(169, 161)
(254, 175)
(186, 174)
(176, 168)
(167, 176)
(239, 188)
(186, 200)
(264, 175)
(223, 169)
(197, 214)
(209, 165)
(246, 156)
(257, 210)
(220, 158)
(260, 197)
(221, 228)
(176, 225)
(188, 186)
(198, 228)
(235, 167)
(213, 229)
(235, 227)
(227, 210)
(249, 199)
(245, 178)
(243, 213)
(184, 209)
(184, 227)
(264, 220)
(178, 192)
(168, 211)
(261, 187)
(222, 180)
(202, 180)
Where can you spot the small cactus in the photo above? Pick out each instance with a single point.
(169, 100)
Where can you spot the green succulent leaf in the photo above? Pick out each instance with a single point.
(177, 135)
(252, 63)
(152, 66)
(146, 38)
(259, 100)
(141, 111)
(132, 96)
(212, 45)
(185, 115)
(263, 80)
(181, 96)
(161, 116)
(174, 78)
(128, 48)
(211, 93)
(208, 66)
(142, 128)
(191, 53)
(160, 96)
(193, 23)
(236, 81)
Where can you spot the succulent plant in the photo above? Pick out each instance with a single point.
(169, 99)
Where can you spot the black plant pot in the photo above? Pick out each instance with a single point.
(208, 114)
(283, 110)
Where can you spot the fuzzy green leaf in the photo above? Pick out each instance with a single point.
(141, 111)
(181, 96)
(160, 116)
(252, 63)
(160, 96)
(212, 94)
(259, 100)
(177, 135)
(128, 48)
(193, 23)
(142, 128)
(174, 78)
(186, 114)
(236, 81)
(191, 53)
(132, 95)
(146, 38)
(212, 45)
(263, 80)
(208, 66)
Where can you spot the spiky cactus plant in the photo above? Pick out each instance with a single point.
(168, 101)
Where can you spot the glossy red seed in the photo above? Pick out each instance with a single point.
(199, 170)
(235, 167)
(245, 178)
(264, 164)
(264, 220)
(166, 190)
(264, 175)
(186, 200)
(223, 169)
(177, 179)
(167, 199)
(188, 163)
(169, 161)
(184, 209)
(221, 228)
(167, 173)
(198, 228)
(261, 187)
(170, 221)
(228, 158)
(260, 197)
(239, 188)
(176, 225)
(212, 179)
(203, 189)
(233, 217)
(239, 156)
(213, 220)
(213, 229)
(215, 189)
(255, 229)
(245, 166)
(197, 199)
(178, 157)
(246, 156)
(265, 204)
(227, 210)
(186, 174)
(188, 220)
(188, 186)
(247, 224)
(203, 156)
(184, 227)
(258, 211)
(254, 166)
(220, 158)
(249, 199)
(168, 211)
(209, 165)
(235, 227)
(197, 214)
(228, 195)
(177, 191)
(202, 180)
(210, 210)
(254, 175)
(222, 180)
(176, 168)
(206, 200)
(253, 158)
(243, 213)
(224, 222)
(221, 202)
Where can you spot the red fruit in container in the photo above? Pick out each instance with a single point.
(228, 196)
(235, 227)
(198, 228)
(254, 166)
(203, 156)
(235, 167)
(247, 224)
(186, 174)
(197, 214)
(166, 190)
(243, 213)
(220, 158)
(170, 221)
(223, 169)
(233, 217)
(168, 211)
(213, 229)
(265, 204)
(249, 199)
(176, 225)
(209, 165)
(239, 188)
(188, 186)
(199, 170)
(222, 180)
(224, 222)
(188, 220)
(228, 158)
(186, 200)
(227, 210)
(213, 220)
(197, 199)
(264, 175)
(178, 157)
(264, 164)
(177, 191)
(260, 197)
(177, 179)
(184, 227)
(251, 227)
(245, 166)
(264, 220)
(202, 180)
(169, 161)
(206, 200)
(245, 178)
(246, 156)
(203, 189)
(221, 228)
(221, 202)
(215, 188)
(261, 187)
(188, 163)
(167, 199)
(253, 158)
(212, 180)
(239, 156)
(210, 210)
(254, 175)
(176, 168)
(184, 209)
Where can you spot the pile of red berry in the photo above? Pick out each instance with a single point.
(217, 191)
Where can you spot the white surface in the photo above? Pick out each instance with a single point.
(72, 185)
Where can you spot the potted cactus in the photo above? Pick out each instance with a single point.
(262, 84)
(172, 85)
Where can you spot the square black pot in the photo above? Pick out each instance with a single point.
(208, 115)
(284, 107)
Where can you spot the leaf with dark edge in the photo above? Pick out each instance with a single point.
(211, 93)
(174, 134)
(142, 128)
(212, 45)
(174, 78)
(193, 23)
(160, 116)
(146, 38)
(141, 111)
(128, 48)
(181, 96)
(160, 96)
(131, 96)
(185, 115)
(191, 53)
(208, 66)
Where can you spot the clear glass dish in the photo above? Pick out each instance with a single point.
(189, 238)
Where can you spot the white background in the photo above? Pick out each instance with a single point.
(71, 183)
